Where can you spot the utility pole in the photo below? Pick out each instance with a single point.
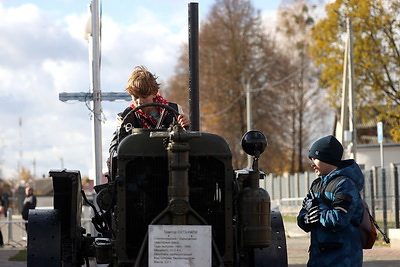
(348, 131)
(352, 96)
(95, 95)
(344, 111)
(95, 89)
(20, 146)
(34, 168)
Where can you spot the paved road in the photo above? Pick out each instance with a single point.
(379, 256)
(297, 247)
(297, 252)
(298, 243)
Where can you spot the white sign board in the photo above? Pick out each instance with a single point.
(180, 245)
(379, 129)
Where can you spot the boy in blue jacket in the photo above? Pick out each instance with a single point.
(333, 208)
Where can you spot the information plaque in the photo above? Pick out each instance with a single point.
(180, 245)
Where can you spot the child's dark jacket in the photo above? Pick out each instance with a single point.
(335, 240)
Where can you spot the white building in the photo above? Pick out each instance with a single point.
(369, 155)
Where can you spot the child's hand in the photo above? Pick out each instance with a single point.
(183, 120)
(309, 201)
(312, 216)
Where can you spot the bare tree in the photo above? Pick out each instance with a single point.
(294, 23)
(235, 54)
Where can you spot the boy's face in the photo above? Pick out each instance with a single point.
(141, 100)
(320, 167)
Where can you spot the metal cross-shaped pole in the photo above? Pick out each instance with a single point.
(95, 95)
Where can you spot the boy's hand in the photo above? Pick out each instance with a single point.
(312, 216)
(309, 201)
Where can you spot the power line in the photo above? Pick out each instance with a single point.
(263, 88)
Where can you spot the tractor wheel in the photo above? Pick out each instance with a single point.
(44, 238)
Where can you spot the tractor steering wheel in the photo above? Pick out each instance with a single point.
(161, 119)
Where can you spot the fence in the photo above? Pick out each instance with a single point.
(381, 191)
(13, 230)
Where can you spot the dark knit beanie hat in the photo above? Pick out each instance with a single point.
(327, 149)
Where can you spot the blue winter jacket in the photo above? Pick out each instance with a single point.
(335, 239)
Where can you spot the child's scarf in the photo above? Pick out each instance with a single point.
(145, 117)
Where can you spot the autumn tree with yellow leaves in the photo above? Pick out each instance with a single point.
(376, 45)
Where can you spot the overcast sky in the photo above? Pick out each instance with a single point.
(43, 52)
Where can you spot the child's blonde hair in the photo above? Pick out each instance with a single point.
(142, 83)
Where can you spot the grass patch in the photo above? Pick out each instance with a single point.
(390, 224)
(289, 218)
(20, 256)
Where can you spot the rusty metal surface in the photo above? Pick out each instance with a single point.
(276, 254)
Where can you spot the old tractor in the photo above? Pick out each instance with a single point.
(172, 199)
